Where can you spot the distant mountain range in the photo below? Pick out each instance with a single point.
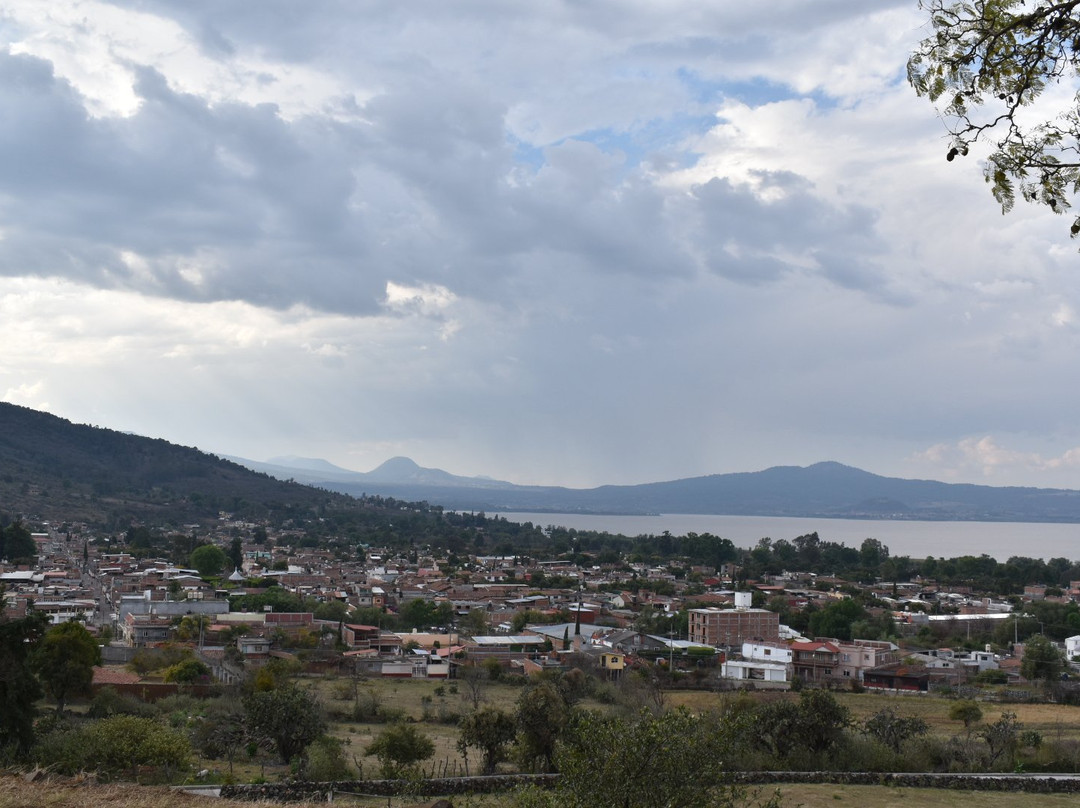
(51, 469)
(822, 490)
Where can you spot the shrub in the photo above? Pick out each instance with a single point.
(967, 711)
(399, 748)
(112, 745)
(326, 760)
(109, 702)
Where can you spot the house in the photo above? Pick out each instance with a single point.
(144, 629)
(815, 661)
(629, 642)
(359, 637)
(898, 676)
(253, 646)
(764, 662)
(859, 656)
(417, 665)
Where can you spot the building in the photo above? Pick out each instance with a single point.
(815, 661)
(145, 629)
(858, 656)
(733, 627)
(763, 662)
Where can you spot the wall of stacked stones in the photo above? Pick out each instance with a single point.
(449, 786)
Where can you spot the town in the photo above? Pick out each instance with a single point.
(424, 615)
(264, 610)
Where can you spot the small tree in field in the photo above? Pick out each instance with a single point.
(399, 748)
(967, 711)
(491, 731)
(289, 717)
(542, 716)
(893, 730)
(65, 661)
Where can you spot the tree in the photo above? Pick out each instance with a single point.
(673, 759)
(16, 543)
(475, 682)
(188, 672)
(816, 723)
(208, 559)
(966, 710)
(326, 760)
(19, 689)
(893, 730)
(221, 732)
(399, 748)
(836, 619)
(475, 622)
(542, 715)
(524, 618)
(1042, 660)
(65, 660)
(491, 731)
(1001, 737)
(423, 614)
(985, 62)
(235, 556)
(287, 716)
(192, 626)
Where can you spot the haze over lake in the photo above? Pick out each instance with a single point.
(1001, 540)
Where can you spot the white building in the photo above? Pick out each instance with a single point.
(762, 661)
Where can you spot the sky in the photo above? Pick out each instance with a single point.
(551, 243)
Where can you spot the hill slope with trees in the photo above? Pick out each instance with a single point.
(52, 469)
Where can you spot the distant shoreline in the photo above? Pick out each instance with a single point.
(904, 537)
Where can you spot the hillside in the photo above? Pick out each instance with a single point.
(52, 469)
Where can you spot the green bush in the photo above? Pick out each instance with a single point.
(109, 702)
(113, 745)
(326, 761)
(399, 749)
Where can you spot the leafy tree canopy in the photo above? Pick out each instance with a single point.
(984, 63)
(16, 543)
(65, 661)
(288, 716)
(1042, 659)
(491, 731)
(208, 559)
(673, 759)
(399, 748)
(19, 689)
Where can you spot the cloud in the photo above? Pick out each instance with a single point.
(983, 457)
(696, 239)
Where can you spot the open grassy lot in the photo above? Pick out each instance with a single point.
(1058, 721)
(358, 714)
(819, 796)
(16, 793)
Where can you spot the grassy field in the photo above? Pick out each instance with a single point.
(16, 793)
(424, 702)
(1058, 721)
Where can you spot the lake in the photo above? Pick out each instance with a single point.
(1000, 540)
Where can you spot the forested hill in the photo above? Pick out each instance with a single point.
(52, 469)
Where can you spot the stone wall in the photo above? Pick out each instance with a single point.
(449, 786)
(433, 787)
(1028, 783)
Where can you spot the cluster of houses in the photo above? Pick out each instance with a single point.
(142, 602)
